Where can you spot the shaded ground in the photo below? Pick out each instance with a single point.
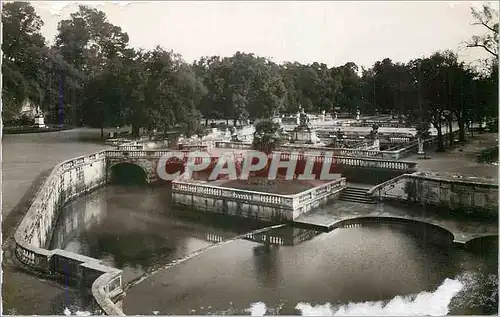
(462, 227)
(461, 160)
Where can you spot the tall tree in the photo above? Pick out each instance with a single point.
(88, 41)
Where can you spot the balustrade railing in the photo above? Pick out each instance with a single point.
(233, 145)
(232, 193)
(282, 201)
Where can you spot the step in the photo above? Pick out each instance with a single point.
(354, 189)
(355, 194)
(355, 197)
(371, 202)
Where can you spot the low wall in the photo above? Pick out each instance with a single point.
(67, 181)
(454, 193)
(252, 204)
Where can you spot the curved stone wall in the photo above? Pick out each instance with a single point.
(442, 235)
(67, 181)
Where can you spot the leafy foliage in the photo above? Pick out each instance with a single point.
(268, 136)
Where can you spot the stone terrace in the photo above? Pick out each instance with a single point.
(461, 160)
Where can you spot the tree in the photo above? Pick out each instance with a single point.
(488, 19)
(350, 87)
(267, 136)
(88, 42)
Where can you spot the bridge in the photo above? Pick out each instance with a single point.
(146, 161)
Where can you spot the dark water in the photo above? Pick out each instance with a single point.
(352, 271)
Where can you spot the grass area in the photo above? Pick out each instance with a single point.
(488, 155)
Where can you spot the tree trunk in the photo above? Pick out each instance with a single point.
(227, 121)
(102, 133)
(135, 130)
(440, 145)
(471, 127)
(206, 122)
(234, 122)
(450, 132)
(461, 129)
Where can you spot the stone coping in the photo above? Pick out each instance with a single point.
(456, 178)
(441, 177)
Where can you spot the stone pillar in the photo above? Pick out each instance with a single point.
(376, 143)
(421, 152)
(298, 118)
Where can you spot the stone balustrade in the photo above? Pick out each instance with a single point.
(400, 139)
(143, 154)
(192, 147)
(233, 145)
(234, 194)
(67, 180)
(252, 203)
(133, 147)
(361, 151)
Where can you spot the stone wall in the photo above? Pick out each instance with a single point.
(453, 193)
(67, 181)
(251, 204)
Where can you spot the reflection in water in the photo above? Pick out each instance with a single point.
(134, 229)
(359, 270)
(368, 266)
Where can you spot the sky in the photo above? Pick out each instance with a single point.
(330, 32)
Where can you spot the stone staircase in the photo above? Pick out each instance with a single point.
(357, 195)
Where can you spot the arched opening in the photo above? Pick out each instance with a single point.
(127, 174)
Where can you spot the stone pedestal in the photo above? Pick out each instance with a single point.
(305, 136)
(421, 152)
(39, 122)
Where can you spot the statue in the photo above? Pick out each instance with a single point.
(303, 132)
(422, 134)
(304, 120)
(374, 136)
(357, 114)
(374, 131)
(39, 118)
(234, 135)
